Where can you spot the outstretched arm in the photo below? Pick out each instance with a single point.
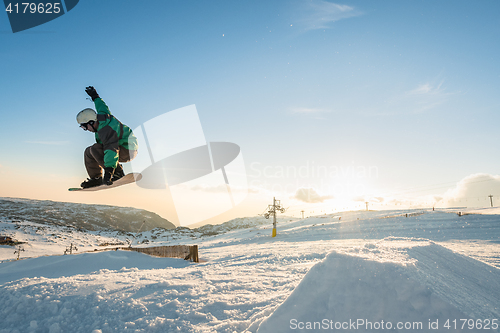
(100, 106)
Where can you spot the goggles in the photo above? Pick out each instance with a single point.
(84, 125)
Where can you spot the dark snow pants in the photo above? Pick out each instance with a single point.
(94, 158)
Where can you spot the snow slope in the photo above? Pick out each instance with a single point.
(419, 284)
(354, 265)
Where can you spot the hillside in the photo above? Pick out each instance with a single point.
(81, 216)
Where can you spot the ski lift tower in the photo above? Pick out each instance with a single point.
(272, 210)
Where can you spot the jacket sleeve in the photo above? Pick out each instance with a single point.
(101, 107)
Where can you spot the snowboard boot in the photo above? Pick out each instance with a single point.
(118, 173)
(92, 182)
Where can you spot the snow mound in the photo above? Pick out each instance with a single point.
(86, 263)
(424, 287)
(69, 293)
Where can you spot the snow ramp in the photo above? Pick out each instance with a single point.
(393, 285)
(53, 267)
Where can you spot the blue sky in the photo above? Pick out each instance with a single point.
(407, 87)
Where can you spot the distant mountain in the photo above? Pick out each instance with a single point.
(88, 217)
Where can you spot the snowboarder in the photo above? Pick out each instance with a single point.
(115, 143)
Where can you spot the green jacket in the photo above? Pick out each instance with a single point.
(112, 134)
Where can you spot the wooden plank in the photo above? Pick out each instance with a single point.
(186, 252)
(194, 253)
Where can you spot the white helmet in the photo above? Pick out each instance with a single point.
(85, 116)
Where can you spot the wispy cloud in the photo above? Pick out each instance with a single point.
(428, 89)
(422, 98)
(50, 143)
(426, 96)
(310, 195)
(424, 89)
(320, 14)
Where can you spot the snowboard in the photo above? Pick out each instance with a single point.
(127, 179)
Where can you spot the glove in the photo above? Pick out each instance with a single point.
(108, 174)
(92, 92)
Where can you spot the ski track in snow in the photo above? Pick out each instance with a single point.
(250, 279)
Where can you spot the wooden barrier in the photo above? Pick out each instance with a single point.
(186, 252)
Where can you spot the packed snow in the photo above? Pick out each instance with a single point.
(398, 271)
